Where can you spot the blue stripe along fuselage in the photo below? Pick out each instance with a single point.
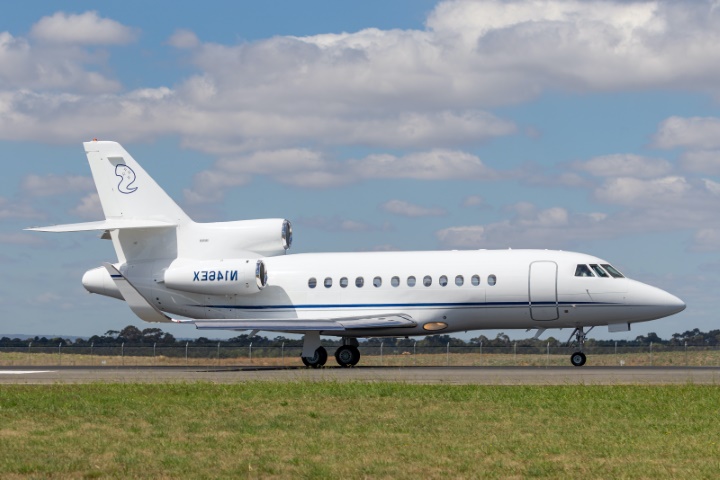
(405, 305)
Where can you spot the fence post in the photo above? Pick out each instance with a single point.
(154, 358)
(186, 352)
(218, 354)
(615, 347)
(122, 353)
(515, 353)
(651, 354)
(686, 360)
(59, 354)
(547, 359)
(250, 352)
(282, 351)
(415, 353)
(92, 344)
(447, 360)
(381, 356)
(29, 345)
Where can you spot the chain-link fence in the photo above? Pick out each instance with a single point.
(223, 355)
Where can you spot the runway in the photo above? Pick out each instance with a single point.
(420, 375)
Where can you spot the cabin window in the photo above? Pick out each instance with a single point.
(328, 282)
(312, 283)
(583, 271)
(492, 280)
(475, 280)
(359, 282)
(377, 281)
(344, 282)
(599, 271)
(459, 280)
(411, 281)
(443, 281)
(611, 270)
(395, 281)
(427, 280)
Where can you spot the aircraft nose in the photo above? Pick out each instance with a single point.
(656, 303)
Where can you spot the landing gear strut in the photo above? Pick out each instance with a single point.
(317, 360)
(348, 354)
(578, 358)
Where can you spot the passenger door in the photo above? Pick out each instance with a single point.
(542, 291)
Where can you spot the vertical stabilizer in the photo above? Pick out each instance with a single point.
(126, 191)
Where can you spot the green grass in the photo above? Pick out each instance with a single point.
(358, 430)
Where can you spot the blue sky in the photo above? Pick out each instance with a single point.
(407, 125)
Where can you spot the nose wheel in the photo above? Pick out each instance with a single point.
(578, 359)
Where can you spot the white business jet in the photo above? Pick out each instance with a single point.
(237, 276)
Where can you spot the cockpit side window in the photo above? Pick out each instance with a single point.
(583, 271)
(611, 270)
(599, 271)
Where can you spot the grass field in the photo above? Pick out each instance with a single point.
(358, 430)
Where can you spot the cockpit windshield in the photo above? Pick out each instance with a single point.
(597, 270)
(611, 270)
(583, 271)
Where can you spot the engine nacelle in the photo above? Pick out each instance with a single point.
(221, 277)
(264, 237)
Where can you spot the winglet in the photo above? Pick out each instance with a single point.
(137, 303)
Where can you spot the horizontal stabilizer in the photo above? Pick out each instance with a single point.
(340, 324)
(109, 224)
(137, 303)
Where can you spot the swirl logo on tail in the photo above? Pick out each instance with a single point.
(127, 178)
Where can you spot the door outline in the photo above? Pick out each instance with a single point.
(546, 300)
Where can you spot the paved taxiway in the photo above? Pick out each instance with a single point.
(426, 375)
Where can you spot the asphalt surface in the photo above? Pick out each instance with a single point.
(423, 375)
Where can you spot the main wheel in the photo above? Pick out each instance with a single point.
(578, 359)
(347, 356)
(317, 360)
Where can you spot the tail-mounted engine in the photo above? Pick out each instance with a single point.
(221, 277)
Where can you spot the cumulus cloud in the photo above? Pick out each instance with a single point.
(50, 185)
(183, 39)
(692, 132)
(89, 207)
(406, 209)
(706, 240)
(9, 209)
(634, 191)
(311, 169)
(624, 165)
(701, 161)
(81, 29)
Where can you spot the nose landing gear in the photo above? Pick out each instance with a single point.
(578, 358)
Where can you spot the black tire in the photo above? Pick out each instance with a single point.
(347, 356)
(317, 360)
(578, 359)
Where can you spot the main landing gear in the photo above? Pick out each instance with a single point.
(578, 358)
(346, 355)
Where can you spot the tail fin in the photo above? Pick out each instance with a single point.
(140, 217)
(126, 191)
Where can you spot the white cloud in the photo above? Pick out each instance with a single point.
(81, 29)
(692, 132)
(183, 39)
(634, 191)
(702, 161)
(624, 165)
(50, 185)
(706, 240)
(406, 209)
(10, 210)
(473, 201)
(89, 207)
(337, 224)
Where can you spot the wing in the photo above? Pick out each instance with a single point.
(150, 313)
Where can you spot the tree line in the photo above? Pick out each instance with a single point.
(132, 335)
